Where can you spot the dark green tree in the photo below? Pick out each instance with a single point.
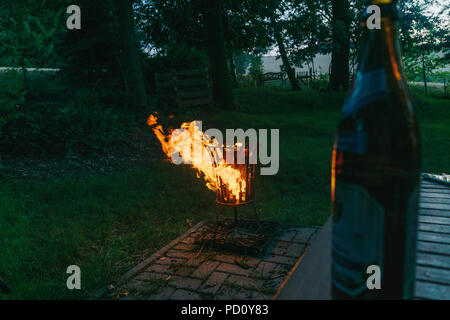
(215, 45)
(91, 56)
(26, 34)
(424, 39)
(130, 61)
(340, 59)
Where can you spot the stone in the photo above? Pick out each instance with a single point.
(161, 268)
(295, 250)
(258, 295)
(171, 260)
(281, 259)
(149, 276)
(184, 283)
(196, 261)
(265, 269)
(228, 258)
(304, 234)
(183, 270)
(179, 254)
(205, 269)
(244, 294)
(182, 294)
(188, 240)
(232, 268)
(226, 293)
(162, 294)
(212, 285)
(287, 235)
(184, 246)
(244, 282)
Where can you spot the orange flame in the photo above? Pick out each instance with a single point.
(192, 146)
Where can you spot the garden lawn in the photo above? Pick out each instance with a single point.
(107, 223)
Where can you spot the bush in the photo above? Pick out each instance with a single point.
(54, 119)
(246, 81)
(11, 98)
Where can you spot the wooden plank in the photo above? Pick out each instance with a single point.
(427, 290)
(192, 82)
(203, 93)
(195, 72)
(433, 260)
(426, 194)
(436, 200)
(433, 275)
(435, 220)
(433, 183)
(194, 102)
(434, 228)
(439, 189)
(430, 247)
(440, 182)
(433, 237)
(311, 277)
(165, 84)
(437, 213)
(165, 76)
(444, 190)
(439, 206)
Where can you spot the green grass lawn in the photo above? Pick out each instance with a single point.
(108, 223)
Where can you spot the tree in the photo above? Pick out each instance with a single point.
(340, 76)
(196, 26)
(422, 37)
(256, 69)
(283, 53)
(307, 31)
(91, 56)
(242, 61)
(270, 18)
(26, 31)
(129, 55)
(229, 48)
(215, 43)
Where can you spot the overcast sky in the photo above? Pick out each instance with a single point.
(437, 8)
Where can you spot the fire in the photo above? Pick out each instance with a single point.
(190, 145)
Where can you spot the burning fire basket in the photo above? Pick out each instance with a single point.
(243, 192)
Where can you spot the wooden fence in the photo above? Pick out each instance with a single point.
(187, 87)
(305, 77)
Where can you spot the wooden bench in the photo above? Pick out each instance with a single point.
(188, 87)
(273, 76)
(310, 279)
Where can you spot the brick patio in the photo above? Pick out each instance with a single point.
(181, 270)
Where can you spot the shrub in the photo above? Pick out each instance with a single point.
(54, 119)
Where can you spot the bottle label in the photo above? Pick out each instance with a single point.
(354, 142)
(358, 231)
(369, 87)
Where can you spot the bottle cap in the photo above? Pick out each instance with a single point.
(379, 1)
(388, 7)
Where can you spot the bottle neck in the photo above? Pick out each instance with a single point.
(381, 46)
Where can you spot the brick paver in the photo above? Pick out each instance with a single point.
(182, 271)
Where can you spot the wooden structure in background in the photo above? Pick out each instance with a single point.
(273, 76)
(188, 88)
(310, 279)
(305, 77)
